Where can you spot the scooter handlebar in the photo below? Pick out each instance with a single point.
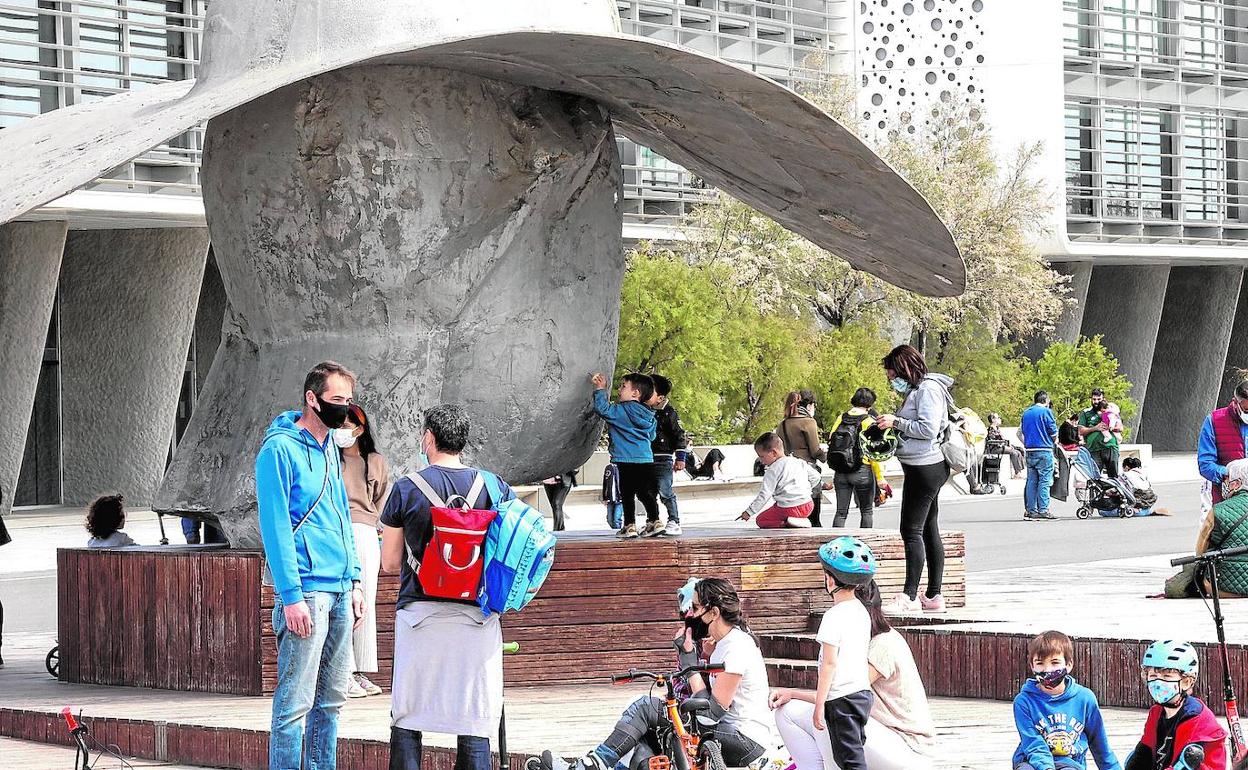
(1208, 556)
(70, 722)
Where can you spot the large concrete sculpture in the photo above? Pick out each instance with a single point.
(443, 215)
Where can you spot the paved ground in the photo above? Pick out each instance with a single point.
(40, 756)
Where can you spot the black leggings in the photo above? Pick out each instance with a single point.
(920, 531)
(639, 482)
(861, 485)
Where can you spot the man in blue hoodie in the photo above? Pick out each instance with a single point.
(305, 523)
(631, 427)
(1039, 433)
(1058, 719)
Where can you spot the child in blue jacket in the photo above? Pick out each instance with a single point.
(1058, 720)
(631, 427)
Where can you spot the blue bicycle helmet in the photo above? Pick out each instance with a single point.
(684, 596)
(1172, 654)
(848, 559)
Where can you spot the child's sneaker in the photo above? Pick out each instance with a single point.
(354, 690)
(902, 605)
(367, 685)
(627, 532)
(673, 529)
(652, 529)
(934, 604)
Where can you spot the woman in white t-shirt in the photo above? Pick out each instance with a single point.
(713, 618)
(900, 734)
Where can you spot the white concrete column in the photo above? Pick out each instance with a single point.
(30, 261)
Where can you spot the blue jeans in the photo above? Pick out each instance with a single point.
(663, 469)
(1039, 481)
(471, 752)
(312, 676)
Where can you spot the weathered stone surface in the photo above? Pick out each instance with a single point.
(30, 261)
(1190, 354)
(1236, 349)
(1124, 306)
(1068, 324)
(128, 301)
(448, 238)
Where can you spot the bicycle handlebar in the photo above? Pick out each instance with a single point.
(633, 674)
(1207, 556)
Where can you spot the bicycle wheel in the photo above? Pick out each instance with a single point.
(53, 662)
(712, 755)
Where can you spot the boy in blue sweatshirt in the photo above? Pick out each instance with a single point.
(1058, 720)
(305, 524)
(631, 427)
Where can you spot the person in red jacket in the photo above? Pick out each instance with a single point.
(1177, 719)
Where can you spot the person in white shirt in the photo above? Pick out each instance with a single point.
(714, 620)
(787, 483)
(900, 733)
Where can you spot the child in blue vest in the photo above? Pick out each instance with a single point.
(631, 427)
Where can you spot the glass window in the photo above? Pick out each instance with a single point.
(1079, 192)
(1077, 27)
(1201, 161)
(25, 89)
(1131, 30)
(1200, 33)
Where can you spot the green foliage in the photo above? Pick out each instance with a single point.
(988, 376)
(1069, 372)
(848, 358)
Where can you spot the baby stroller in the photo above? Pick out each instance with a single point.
(1097, 492)
(990, 467)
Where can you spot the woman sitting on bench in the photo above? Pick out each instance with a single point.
(738, 696)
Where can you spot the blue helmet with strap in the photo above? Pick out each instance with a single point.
(848, 559)
(684, 596)
(1174, 654)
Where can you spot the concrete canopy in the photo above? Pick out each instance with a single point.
(743, 133)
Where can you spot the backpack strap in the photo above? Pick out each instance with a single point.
(434, 499)
(491, 487)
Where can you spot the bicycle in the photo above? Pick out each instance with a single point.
(687, 742)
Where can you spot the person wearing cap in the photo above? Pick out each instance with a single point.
(1223, 439)
(1227, 527)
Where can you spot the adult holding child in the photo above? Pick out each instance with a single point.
(800, 434)
(367, 479)
(900, 733)
(920, 424)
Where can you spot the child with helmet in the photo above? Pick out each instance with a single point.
(1181, 732)
(844, 688)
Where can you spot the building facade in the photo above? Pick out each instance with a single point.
(1141, 107)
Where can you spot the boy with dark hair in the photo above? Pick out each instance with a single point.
(1177, 720)
(1058, 720)
(668, 447)
(631, 427)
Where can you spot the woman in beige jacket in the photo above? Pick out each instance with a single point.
(800, 434)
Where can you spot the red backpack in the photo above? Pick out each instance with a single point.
(451, 566)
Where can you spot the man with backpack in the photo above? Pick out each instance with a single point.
(855, 476)
(448, 665)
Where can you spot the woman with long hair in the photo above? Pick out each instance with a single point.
(367, 479)
(713, 619)
(900, 734)
(800, 434)
(920, 423)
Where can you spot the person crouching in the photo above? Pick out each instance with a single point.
(787, 483)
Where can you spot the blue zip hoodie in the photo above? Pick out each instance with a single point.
(631, 426)
(1064, 727)
(305, 520)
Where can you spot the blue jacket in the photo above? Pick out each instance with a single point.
(1039, 427)
(305, 520)
(631, 426)
(1207, 452)
(1065, 726)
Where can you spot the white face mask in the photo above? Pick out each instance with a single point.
(1243, 417)
(343, 437)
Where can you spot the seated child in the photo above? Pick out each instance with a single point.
(1177, 718)
(787, 482)
(1058, 719)
(105, 518)
(1141, 487)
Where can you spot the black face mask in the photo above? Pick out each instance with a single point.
(700, 628)
(332, 415)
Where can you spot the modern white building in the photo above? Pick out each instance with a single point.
(1141, 107)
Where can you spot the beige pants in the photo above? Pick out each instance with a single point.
(364, 638)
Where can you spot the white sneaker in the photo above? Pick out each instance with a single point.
(934, 604)
(673, 529)
(902, 605)
(354, 690)
(366, 685)
(798, 522)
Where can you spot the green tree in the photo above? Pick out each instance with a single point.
(848, 358)
(775, 353)
(1069, 372)
(988, 376)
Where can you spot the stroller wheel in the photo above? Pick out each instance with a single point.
(1127, 512)
(1083, 512)
(1001, 488)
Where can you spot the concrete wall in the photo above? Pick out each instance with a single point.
(128, 300)
(1068, 325)
(1190, 354)
(1236, 349)
(30, 260)
(1124, 306)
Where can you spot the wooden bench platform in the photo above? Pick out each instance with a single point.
(187, 618)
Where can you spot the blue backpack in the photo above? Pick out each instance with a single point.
(519, 552)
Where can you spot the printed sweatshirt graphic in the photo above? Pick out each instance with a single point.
(1066, 727)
